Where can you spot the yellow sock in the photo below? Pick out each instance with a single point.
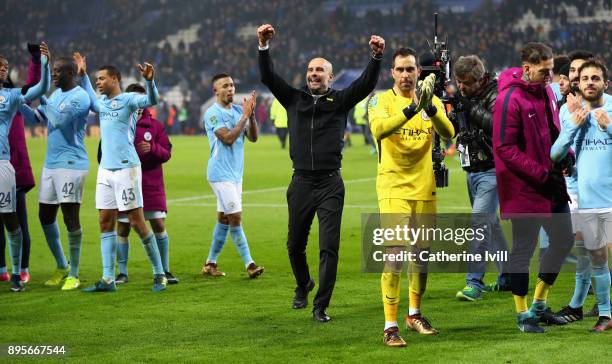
(541, 291)
(389, 284)
(418, 282)
(521, 303)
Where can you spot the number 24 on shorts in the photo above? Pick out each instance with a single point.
(5, 199)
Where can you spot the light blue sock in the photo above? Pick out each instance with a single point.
(2, 270)
(583, 275)
(109, 252)
(601, 275)
(153, 253)
(15, 244)
(52, 234)
(163, 245)
(219, 238)
(240, 241)
(123, 253)
(75, 241)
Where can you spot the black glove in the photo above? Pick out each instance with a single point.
(410, 111)
(431, 110)
(34, 50)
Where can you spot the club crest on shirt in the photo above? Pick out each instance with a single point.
(213, 120)
(114, 104)
(424, 115)
(2, 99)
(147, 136)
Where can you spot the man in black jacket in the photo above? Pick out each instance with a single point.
(479, 91)
(317, 116)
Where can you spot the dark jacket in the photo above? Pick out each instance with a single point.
(152, 131)
(479, 119)
(526, 122)
(480, 113)
(19, 150)
(316, 125)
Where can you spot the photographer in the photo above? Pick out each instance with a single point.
(475, 116)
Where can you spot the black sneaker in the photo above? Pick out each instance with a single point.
(529, 324)
(16, 283)
(171, 279)
(300, 300)
(121, 279)
(594, 312)
(547, 317)
(569, 314)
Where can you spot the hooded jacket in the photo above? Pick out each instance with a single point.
(19, 149)
(317, 122)
(152, 131)
(524, 117)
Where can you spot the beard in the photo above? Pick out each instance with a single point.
(597, 96)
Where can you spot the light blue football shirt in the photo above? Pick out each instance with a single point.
(118, 124)
(226, 163)
(593, 149)
(66, 113)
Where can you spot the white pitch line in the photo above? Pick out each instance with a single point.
(271, 189)
(284, 205)
(262, 190)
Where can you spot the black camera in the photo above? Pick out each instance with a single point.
(438, 63)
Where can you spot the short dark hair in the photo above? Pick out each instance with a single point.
(68, 63)
(112, 71)
(136, 87)
(591, 63)
(219, 76)
(535, 53)
(469, 67)
(404, 52)
(580, 54)
(559, 62)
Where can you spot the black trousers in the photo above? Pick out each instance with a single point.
(323, 194)
(22, 215)
(282, 135)
(524, 240)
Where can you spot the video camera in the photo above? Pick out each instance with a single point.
(438, 63)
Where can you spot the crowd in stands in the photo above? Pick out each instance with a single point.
(124, 33)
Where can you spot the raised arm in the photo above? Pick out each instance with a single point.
(279, 87)
(361, 87)
(82, 71)
(44, 84)
(252, 130)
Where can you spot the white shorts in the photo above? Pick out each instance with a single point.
(596, 229)
(61, 185)
(119, 189)
(148, 215)
(229, 196)
(8, 187)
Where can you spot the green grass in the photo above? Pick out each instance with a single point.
(234, 319)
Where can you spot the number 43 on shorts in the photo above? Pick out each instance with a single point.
(128, 196)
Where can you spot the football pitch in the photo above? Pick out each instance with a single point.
(234, 319)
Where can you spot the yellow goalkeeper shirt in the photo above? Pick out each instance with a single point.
(405, 168)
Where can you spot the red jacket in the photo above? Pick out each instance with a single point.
(19, 149)
(152, 131)
(521, 145)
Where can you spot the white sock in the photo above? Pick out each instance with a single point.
(414, 311)
(389, 324)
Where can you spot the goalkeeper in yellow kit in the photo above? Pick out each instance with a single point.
(401, 120)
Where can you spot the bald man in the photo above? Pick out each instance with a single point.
(317, 116)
